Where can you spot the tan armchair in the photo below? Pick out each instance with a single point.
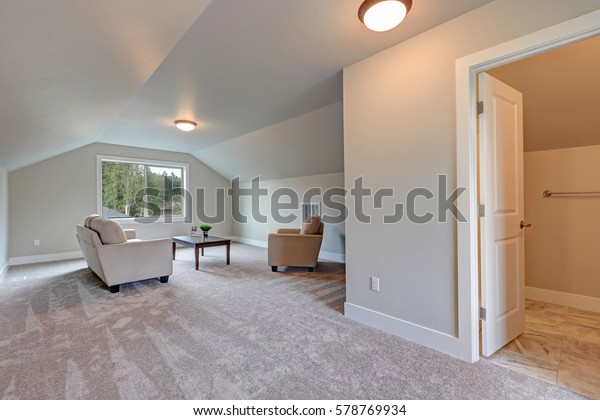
(296, 247)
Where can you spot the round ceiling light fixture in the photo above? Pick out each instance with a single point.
(383, 15)
(185, 125)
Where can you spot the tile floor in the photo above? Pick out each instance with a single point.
(561, 345)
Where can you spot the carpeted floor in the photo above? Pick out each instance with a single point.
(224, 332)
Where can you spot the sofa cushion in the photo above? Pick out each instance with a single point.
(110, 232)
(312, 227)
(88, 220)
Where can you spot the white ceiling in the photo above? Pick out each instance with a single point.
(561, 96)
(74, 72)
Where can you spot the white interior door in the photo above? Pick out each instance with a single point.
(502, 233)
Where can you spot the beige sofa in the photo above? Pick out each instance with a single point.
(296, 247)
(117, 257)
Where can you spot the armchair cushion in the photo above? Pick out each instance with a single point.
(312, 226)
(88, 220)
(110, 232)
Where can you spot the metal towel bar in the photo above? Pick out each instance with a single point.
(549, 193)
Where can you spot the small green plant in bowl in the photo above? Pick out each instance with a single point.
(205, 228)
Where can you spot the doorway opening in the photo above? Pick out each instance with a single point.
(569, 32)
(561, 153)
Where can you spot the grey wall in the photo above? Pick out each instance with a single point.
(49, 198)
(334, 234)
(399, 128)
(3, 221)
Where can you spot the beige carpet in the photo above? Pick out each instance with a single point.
(224, 332)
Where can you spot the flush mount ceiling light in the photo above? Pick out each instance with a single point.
(383, 15)
(185, 125)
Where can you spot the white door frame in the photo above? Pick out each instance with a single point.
(467, 68)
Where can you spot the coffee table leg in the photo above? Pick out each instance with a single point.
(196, 255)
(228, 252)
(174, 248)
(203, 252)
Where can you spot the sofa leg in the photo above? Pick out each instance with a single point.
(274, 268)
(114, 289)
(311, 269)
(164, 279)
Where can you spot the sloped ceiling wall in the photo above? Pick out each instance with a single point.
(70, 67)
(76, 72)
(312, 143)
(561, 96)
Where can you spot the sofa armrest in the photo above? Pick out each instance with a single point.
(295, 231)
(139, 260)
(130, 233)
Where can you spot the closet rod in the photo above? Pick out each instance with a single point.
(549, 193)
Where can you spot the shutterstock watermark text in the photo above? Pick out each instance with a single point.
(337, 204)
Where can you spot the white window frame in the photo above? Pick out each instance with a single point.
(149, 162)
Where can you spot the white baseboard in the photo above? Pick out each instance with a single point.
(329, 256)
(31, 259)
(332, 256)
(586, 303)
(260, 244)
(421, 335)
(3, 271)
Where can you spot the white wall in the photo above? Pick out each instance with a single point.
(562, 248)
(3, 222)
(399, 125)
(49, 198)
(333, 246)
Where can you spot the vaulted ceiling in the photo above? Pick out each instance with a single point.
(76, 72)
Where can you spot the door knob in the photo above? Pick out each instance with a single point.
(525, 225)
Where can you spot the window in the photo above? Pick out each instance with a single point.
(138, 188)
(310, 209)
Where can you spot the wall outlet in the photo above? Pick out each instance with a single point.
(375, 284)
(36, 242)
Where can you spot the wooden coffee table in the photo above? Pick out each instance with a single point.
(199, 243)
